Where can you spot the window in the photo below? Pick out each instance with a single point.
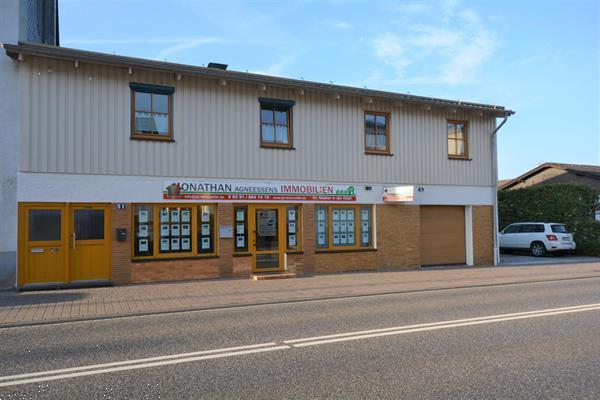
(458, 140)
(559, 229)
(512, 229)
(151, 111)
(377, 133)
(171, 231)
(531, 228)
(344, 227)
(276, 123)
(293, 228)
(44, 225)
(206, 231)
(241, 228)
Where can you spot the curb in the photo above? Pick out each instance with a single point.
(258, 304)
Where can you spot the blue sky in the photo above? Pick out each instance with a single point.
(540, 58)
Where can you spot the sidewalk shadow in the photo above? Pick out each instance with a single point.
(26, 299)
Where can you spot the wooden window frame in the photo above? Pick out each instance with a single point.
(135, 135)
(371, 150)
(156, 232)
(290, 131)
(357, 229)
(464, 156)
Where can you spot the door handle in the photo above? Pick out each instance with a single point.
(73, 239)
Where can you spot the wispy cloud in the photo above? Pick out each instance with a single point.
(184, 45)
(174, 44)
(454, 49)
(342, 25)
(278, 68)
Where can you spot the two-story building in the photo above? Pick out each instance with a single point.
(134, 170)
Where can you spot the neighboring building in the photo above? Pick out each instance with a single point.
(133, 170)
(553, 173)
(33, 21)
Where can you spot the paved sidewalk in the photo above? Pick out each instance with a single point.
(30, 308)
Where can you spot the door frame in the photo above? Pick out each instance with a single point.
(66, 231)
(281, 209)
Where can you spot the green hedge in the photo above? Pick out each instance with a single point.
(571, 204)
(587, 236)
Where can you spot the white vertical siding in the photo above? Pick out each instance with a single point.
(74, 124)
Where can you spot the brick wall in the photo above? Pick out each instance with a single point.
(398, 236)
(483, 235)
(121, 251)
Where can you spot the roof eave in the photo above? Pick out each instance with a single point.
(24, 48)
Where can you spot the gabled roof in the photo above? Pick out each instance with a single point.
(592, 171)
(63, 53)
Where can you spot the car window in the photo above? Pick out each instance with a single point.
(512, 229)
(559, 229)
(539, 228)
(528, 228)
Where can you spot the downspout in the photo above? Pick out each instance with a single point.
(494, 149)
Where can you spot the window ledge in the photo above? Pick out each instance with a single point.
(295, 252)
(242, 254)
(152, 138)
(378, 153)
(459, 158)
(159, 259)
(276, 147)
(366, 249)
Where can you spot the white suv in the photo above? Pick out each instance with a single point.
(537, 237)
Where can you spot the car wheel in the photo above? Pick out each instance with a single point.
(537, 249)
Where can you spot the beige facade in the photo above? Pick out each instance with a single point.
(78, 121)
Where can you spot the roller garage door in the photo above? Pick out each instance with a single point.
(442, 235)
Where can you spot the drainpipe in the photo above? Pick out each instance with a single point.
(495, 180)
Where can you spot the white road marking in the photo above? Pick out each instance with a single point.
(95, 369)
(444, 326)
(140, 360)
(139, 366)
(432, 324)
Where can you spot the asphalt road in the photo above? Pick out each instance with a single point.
(411, 350)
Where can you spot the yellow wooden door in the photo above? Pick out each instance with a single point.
(89, 228)
(267, 234)
(44, 254)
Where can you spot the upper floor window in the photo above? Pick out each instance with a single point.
(377, 132)
(457, 139)
(151, 111)
(276, 123)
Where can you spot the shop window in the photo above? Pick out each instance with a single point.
(175, 230)
(377, 133)
(344, 227)
(206, 230)
(241, 228)
(151, 111)
(293, 229)
(143, 220)
(276, 123)
(171, 231)
(458, 140)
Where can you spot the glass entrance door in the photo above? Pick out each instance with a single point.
(268, 246)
